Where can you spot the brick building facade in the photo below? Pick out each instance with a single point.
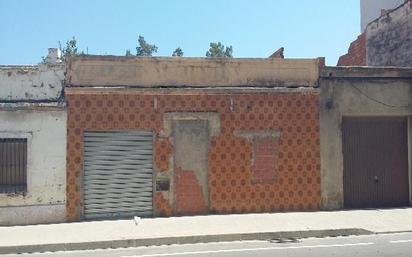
(220, 150)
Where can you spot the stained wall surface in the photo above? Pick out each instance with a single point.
(45, 199)
(389, 38)
(31, 107)
(149, 72)
(371, 10)
(36, 83)
(355, 92)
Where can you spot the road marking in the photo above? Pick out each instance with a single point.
(250, 249)
(400, 241)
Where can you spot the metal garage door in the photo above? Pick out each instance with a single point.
(118, 174)
(375, 158)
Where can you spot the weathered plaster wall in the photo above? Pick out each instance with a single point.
(371, 9)
(389, 38)
(31, 106)
(349, 92)
(195, 72)
(46, 179)
(289, 117)
(39, 83)
(191, 146)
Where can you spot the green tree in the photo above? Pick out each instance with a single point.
(144, 48)
(70, 49)
(178, 52)
(218, 50)
(128, 53)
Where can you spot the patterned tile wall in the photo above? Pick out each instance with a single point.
(232, 187)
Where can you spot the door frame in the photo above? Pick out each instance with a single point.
(409, 147)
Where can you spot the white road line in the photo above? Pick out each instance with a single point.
(251, 249)
(400, 241)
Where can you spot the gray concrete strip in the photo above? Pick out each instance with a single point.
(194, 229)
(124, 243)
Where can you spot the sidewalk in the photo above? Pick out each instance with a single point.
(157, 231)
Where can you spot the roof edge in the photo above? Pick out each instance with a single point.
(197, 72)
(365, 72)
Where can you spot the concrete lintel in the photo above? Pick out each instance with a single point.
(253, 134)
(212, 117)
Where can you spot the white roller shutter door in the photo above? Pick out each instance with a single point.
(118, 174)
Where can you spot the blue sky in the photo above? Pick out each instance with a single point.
(255, 28)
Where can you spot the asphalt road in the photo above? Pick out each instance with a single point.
(376, 245)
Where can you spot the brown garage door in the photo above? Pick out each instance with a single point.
(375, 159)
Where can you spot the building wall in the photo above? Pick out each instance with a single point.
(355, 92)
(262, 146)
(389, 39)
(31, 106)
(37, 83)
(45, 199)
(386, 38)
(356, 55)
(371, 9)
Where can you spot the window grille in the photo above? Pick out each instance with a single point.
(13, 165)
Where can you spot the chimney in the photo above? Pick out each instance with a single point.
(54, 56)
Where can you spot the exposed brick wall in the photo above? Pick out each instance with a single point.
(278, 53)
(264, 159)
(356, 55)
(232, 189)
(189, 196)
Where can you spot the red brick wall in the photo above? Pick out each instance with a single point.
(356, 55)
(265, 159)
(287, 178)
(189, 196)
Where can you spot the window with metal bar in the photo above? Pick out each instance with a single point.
(13, 165)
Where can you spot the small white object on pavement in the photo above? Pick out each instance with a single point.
(137, 220)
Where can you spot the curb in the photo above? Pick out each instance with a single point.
(124, 243)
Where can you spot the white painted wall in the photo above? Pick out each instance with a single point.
(31, 83)
(371, 9)
(46, 171)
